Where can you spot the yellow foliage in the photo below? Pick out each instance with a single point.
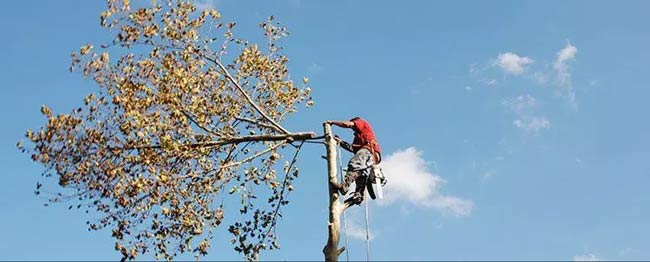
(146, 145)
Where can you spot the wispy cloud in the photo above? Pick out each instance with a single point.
(539, 78)
(488, 81)
(521, 103)
(204, 4)
(586, 257)
(567, 53)
(524, 107)
(532, 124)
(561, 67)
(555, 71)
(473, 68)
(512, 63)
(410, 181)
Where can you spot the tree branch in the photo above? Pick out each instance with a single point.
(256, 155)
(233, 140)
(253, 121)
(246, 96)
(191, 118)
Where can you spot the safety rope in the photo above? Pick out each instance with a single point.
(345, 228)
(367, 233)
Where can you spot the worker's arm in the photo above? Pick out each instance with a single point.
(343, 144)
(344, 124)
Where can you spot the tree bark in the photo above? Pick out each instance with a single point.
(331, 250)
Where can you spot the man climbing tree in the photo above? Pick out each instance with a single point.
(182, 134)
(366, 154)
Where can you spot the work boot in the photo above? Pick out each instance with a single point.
(355, 199)
(350, 177)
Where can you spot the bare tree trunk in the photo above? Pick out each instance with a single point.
(331, 249)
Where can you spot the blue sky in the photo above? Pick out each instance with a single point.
(511, 129)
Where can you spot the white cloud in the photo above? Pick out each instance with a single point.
(488, 82)
(558, 74)
(512, 63)
(532, 124)
(409, 180)
(568, 53)
(521, 103)
(524, 106)
(586, 257)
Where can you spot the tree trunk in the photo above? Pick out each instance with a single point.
(331, 249)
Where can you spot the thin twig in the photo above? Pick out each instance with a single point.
(256, 155)
(246, 96)
(197, 123)
(284, 185)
